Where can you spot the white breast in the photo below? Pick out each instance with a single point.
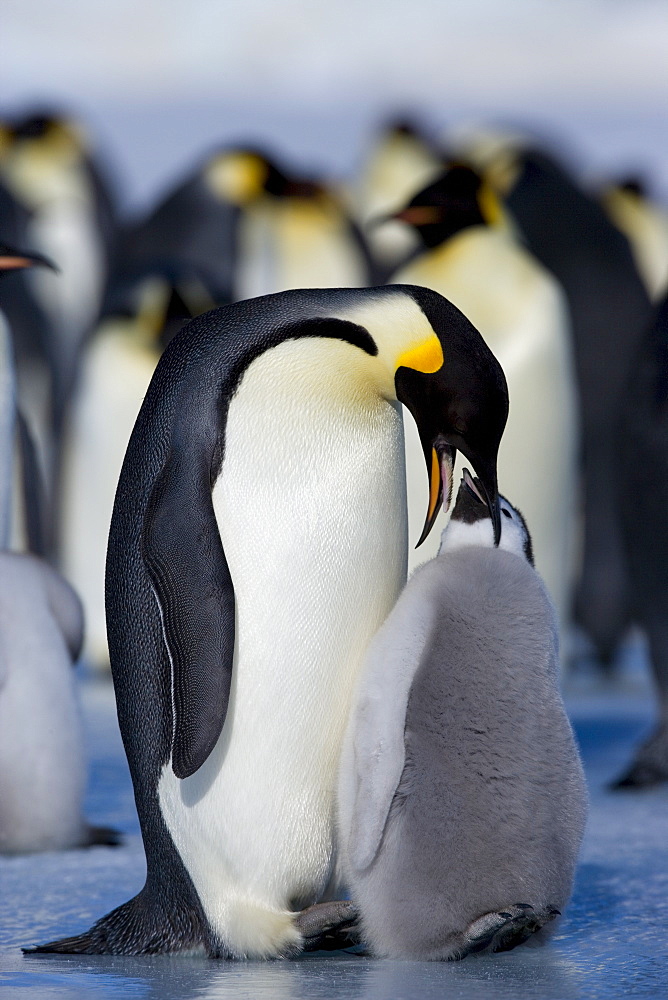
(311, 509)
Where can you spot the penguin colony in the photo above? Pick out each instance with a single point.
(341, 378)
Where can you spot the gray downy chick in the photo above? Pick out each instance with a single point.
(462, 800)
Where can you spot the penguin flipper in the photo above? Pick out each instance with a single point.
(185, 560)
(379, 751)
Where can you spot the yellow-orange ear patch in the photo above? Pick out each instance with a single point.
(427, 357)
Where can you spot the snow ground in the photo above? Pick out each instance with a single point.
(613, 940)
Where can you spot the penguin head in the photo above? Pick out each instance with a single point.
(471, 523)
(241, 176)
(42, 149)
(433, 360)
(456, 200)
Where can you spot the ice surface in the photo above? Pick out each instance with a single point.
(612, 942)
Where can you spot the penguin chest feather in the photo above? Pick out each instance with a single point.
(311, 509)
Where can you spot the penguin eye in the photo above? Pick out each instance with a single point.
(506, 512)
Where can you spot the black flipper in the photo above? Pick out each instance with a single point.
(187, 566)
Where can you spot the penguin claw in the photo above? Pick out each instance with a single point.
(328, 926)
(503, 930)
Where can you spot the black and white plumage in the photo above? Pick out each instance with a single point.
(461, 794)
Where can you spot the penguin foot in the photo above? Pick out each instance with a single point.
(504, 929)
(104, 836)
(650, 765)
(329, 926)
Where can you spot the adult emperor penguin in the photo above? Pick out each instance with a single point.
(645, 225)
(462, 800)
(257, 543)
(643, 490)
(48, 166)
(402, 160)
(570, 234)
(115, 371)
(469, 255)
(42, 752)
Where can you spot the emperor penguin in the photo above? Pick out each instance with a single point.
(42, 751)
(643, 492)
(48, 166)
(258, 541)
(645, 225)
(571, 235)
(116, 367)
(401, 161)
(292, 231)
(462, 799)
(470, 255)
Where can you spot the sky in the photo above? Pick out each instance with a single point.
(161, 81)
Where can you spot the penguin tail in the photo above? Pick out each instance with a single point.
(139, 927)
(103, 836)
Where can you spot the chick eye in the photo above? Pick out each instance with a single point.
(506, 512)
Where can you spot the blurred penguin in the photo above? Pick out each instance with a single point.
(116, 368)
(46, 162)
(570, 233)
(643, 455)
(470, 256)
(402, 161)
(42, 753)
(462, 800)
(293, 232)
(645, 225)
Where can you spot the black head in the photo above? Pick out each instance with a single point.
(471, 514)
(461, 407)
(457, 200)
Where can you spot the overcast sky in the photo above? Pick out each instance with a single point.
(161, 80)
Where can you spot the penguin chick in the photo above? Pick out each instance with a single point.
(42, 769)
(462, 800)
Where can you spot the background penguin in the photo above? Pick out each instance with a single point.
(32, 345)
(267, 461)
(470, 256)
(115, 371)
(571, 235)
(643, 440)
(402, 161)
(462, 800)
(645, 225)
(47, 165)
(42, 754)
(293, 231)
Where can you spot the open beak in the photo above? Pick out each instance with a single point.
(486, 473)
(15, 260)
(440, 462)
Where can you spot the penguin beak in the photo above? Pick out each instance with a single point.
(414, 215)
(486, 473)
(440, 459)
(15, 260)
